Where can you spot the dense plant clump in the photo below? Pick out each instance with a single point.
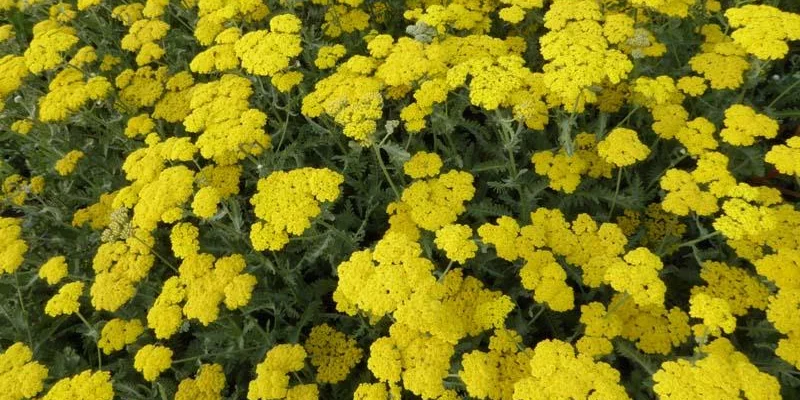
(394, 199)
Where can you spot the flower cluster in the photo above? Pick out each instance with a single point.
(287, 201)
(20, 377)
(272, 375)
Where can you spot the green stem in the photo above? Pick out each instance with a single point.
(221, 353)
(700, 239)
(24, 310)
(385, 171)
(785, 91)
(160, 257)
(627, 117)
(446, 270)
(616, 193)
(96, 337)
(620, 303)
(671, 165)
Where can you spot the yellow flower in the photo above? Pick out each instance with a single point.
(66, 164)
(6, 32)
(622, 147)
(272, 380)
(332, 353)
(503, 236)
(118, 333)
(22, 126)
(422, 165)
(698, 136)
(743, 125)
(95, 384)
(285, 23)
(287, 201)
(231, 130)
(722, 371)
(285, 81)
(784, 157)
(741, 290)
(50, 41)
(638, 276)
(456, 241)
(53, 270)
(715, 313)
(207, 385)
(513, 14)
(436, 202)
(557, 372)
(184, 239)
(152, 360)
(205, 202)
(20, 377)
(65, 302)
(329, 55)
(692, 85)
(763, 30)
(267, 53)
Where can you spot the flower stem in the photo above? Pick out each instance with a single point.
(385, 171)
(700, 239)
(616, 193)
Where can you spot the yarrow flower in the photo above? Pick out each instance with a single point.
(87, 385)
(65, 302)
(456, 241)
(723, 370)
(152, 360)
(118, 333)
(207, 385)
(287, 201)
(556, 371)
(53, 270)
(622, 147)
(784, 156)
(20, 377)
(332, 353)
(638, 276)
(272, 375)
(67, 164)
(743, 125)
(423, 165)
